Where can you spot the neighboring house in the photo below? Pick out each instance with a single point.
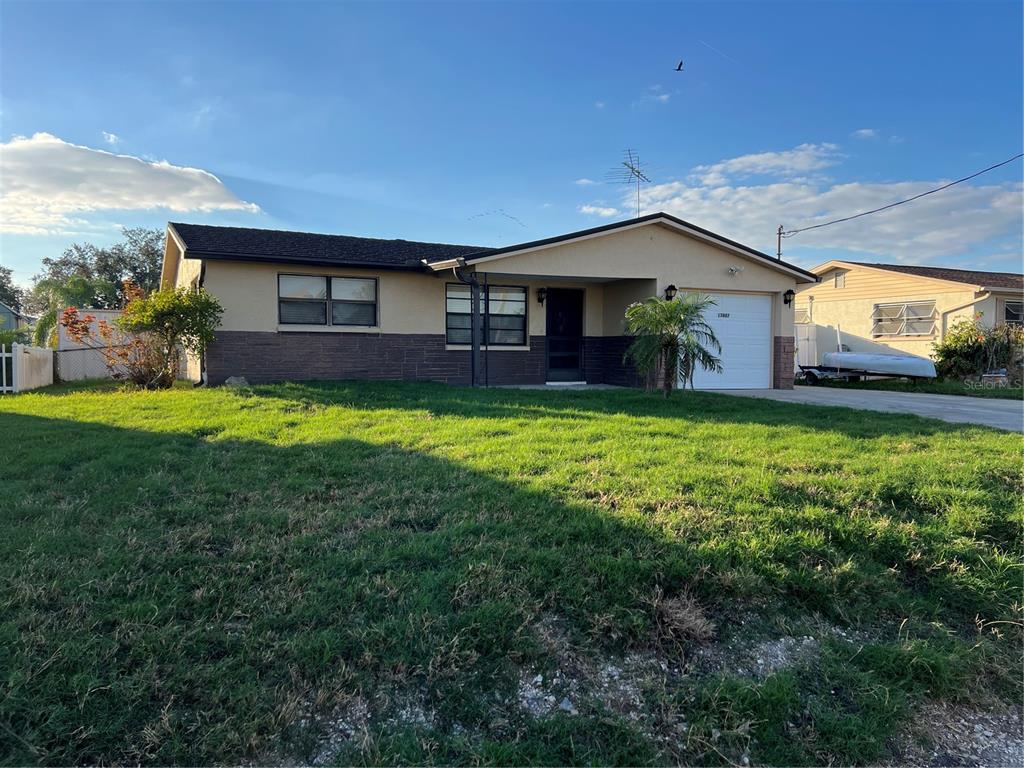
(12, 319)
(897, 308)
(308, 306)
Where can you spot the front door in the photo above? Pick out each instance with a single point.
(565, 334)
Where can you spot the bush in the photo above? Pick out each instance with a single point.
(151, 333)
(9, 336)
(969, 349)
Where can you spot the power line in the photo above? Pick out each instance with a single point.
(791, 232)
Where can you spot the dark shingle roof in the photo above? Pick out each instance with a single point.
(970, 276)
(242, 243)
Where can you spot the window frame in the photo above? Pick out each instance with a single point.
(903, 318)
(1019, 312)
(485, 312)
(328, 301)
(839, 280)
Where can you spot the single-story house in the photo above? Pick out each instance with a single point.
(311, 306)
(901, 308)
(11, 319)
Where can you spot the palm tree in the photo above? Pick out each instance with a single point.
(55, 295)
(672, 338)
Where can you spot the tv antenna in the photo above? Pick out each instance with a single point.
(629, 171)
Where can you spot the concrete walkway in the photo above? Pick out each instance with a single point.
(989, 412)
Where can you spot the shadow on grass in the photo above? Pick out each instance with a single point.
(699, 406)
(182, 598)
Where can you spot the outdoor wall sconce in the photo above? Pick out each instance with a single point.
(542, 293)
(787, 297)
(670, 292)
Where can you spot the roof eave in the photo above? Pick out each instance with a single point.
(219, 256)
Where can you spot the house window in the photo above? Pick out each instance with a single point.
(1013, 313)
(915, 318)
(801, 315)
(319, 300)
(839, 280)
(503, 309)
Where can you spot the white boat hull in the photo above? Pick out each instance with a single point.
(890, 365)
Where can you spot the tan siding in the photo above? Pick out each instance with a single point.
(864, 283)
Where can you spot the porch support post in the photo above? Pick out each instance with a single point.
(476, 330)
(475, 326)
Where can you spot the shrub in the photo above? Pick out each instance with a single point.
(969, 349)
(672, 339)
(145, 346)
(9, 336)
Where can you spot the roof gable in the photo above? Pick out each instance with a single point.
(656, 219)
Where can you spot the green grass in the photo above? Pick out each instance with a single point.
(937, 387)
(208, 575)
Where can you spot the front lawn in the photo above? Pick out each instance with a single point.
(937, 387)
(395, 573)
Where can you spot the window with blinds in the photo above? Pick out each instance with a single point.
(321, 300)
(504, 314)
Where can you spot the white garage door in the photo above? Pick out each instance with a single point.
(743, 325)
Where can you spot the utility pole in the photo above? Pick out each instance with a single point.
(778, 250)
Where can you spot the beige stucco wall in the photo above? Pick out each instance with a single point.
(853, 317)
(619, 295)
(408, 302)
(662, 255)
(993, 309)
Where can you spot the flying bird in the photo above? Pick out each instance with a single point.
(679, 66)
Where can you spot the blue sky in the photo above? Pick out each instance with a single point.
(486, 123)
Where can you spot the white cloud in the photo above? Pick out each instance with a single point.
(585, 182)
(111, 138)
(949, 223)
(787, 164)
(599, 104)
(865, 133)
(656, 94)
(598, 210)
(47, 181)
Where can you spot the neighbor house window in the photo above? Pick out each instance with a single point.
(1013, 313)
(914, 318)
(839, 280)
(503, 309)
(801, 315)
(320, 300)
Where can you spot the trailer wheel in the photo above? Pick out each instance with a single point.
(811, 378)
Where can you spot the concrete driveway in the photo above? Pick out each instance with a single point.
(989, 412)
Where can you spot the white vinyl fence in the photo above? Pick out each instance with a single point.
(23, 368)
(78, 360)
(806, 344)
(83, 363)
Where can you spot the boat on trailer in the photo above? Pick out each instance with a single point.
(856, 365)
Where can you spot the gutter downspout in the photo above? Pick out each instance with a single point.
(942, 326)
(469, 278)
(203, 380)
